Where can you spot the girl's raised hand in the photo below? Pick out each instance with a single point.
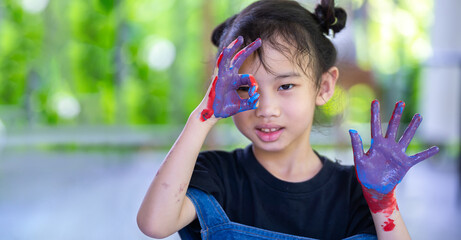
(386, 163)
(223, 99)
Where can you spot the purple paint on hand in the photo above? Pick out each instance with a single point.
(224, 100)
(386, 163)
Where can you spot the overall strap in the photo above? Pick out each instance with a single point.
(209, 212)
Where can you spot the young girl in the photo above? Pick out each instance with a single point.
(278, 187)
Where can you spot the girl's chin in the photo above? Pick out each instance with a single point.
(275, 146)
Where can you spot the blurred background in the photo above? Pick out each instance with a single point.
(94, 92)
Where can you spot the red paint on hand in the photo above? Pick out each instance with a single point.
(385, 203)
(378, 202)
(254, 83)
(208, 111)
(219, 60)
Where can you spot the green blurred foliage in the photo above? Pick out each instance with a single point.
(95, 52)
(393, 43)
(87, 62)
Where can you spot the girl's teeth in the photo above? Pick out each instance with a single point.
(268, 130)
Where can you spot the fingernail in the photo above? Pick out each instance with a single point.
(399, 106)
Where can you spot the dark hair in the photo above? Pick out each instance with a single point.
(274, 20)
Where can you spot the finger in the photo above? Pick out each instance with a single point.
(226, 54)
(410, 131)
(240, 57)
(246, 79)
(357, 146)
(423, 155)
(251, 102)
(375, 120)
(395, 120)
(208, 111)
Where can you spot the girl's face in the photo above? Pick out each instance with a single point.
(287, 101)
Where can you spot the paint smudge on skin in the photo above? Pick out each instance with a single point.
(378, 202)
(182, 187)
(384, 203)
(388, 225)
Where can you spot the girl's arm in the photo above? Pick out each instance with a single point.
(383, 167)
(165, 208)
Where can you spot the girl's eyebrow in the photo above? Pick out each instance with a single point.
(286, 75)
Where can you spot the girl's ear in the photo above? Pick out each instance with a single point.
(327, 86)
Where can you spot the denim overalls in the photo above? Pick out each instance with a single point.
(217, 226)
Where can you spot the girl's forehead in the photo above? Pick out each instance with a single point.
(273, 60)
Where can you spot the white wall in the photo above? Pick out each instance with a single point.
(440, 97)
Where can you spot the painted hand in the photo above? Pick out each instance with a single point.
(386, 163)
(223, 99)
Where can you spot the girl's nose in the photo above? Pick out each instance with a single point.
(268, 106)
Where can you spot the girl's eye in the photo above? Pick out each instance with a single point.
(286, 86)
(242, 91)
(243, 88)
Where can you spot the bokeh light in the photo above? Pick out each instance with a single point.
(160, 53)
(65, 105)
(337, 104)
(34, 6)
(360, 97)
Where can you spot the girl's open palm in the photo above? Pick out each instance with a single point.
(386, 163)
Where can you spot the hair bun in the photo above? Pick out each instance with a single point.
(330, 18)
(219, 30)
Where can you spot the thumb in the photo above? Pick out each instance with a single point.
(357, 146)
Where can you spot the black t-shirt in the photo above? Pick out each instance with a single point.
(328, 206)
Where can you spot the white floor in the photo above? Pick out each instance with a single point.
(51, 195)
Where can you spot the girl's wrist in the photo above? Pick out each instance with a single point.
(384, 208)
(195, 117)
(380, 202)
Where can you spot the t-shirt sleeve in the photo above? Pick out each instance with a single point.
(360, 218)
(206, 174)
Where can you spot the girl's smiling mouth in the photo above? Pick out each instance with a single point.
(269, 133)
